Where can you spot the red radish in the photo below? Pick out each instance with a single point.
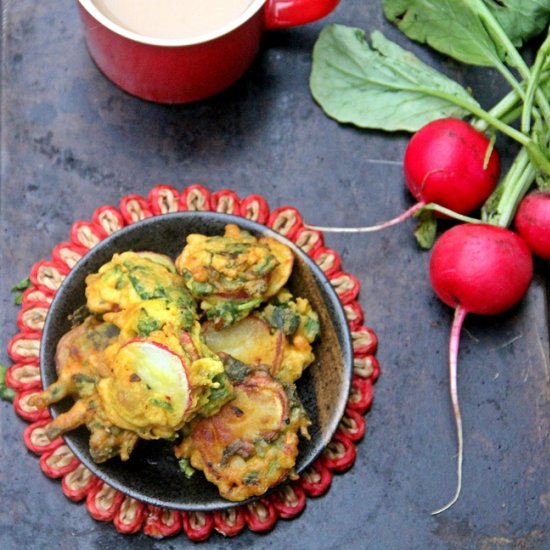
(482, 269)
(446, 163)
(532, 222)
(449, 165)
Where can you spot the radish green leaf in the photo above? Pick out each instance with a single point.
(381, 87)
(426, 230)
(449, 26)
(521, 20)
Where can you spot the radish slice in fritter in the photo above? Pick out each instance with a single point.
(250, 341)
(259, 409)
(161, 369)
(149, 389)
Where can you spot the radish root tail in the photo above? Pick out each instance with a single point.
(456, 328)
(371, 228)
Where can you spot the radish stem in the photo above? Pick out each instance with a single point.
(458, 321)
(507, 109)
(451, 213)
(533, 84)
(514, 58)
(501, 207)
(371, 228)
(398, 219)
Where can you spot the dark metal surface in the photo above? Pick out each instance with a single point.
(71, 141)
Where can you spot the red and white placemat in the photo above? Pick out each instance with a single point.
(127, 514)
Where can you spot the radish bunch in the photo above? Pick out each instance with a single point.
(480, 266)
(483, 265)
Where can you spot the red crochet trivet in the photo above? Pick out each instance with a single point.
(107, 504)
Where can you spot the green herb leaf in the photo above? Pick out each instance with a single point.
(312, 328)
(79, 315)
(227, 311)
(23, 284)
(163, 404)
(426, 230)
(452, 27)
(185, 467)
(235, 369)
(521, 20)
(7, 394)
(282, 318)
(147, 324)
(19, 287)
(220, 393)
(385, 87)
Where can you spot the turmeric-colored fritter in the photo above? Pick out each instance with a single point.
(233, 274)
(207, 349)
(137, 279)
(80, 366)
(278, 337)
(251, 444)
(137, 368)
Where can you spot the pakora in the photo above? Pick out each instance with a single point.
(233, 274)
(251, 444)
(141, 280)
(153, 375)
(207, 349)
(80, 366)
(278, 337)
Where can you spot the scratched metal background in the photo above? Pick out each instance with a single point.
(71, 141)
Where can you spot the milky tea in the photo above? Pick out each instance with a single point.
(172, 19)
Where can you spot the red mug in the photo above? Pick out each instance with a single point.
(186, 70)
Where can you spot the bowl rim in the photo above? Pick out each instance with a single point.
(344, 338)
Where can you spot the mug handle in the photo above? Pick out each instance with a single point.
(281, 14)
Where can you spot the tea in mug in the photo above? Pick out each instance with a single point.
(172, 19)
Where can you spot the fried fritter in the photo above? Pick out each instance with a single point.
(155, 387)
(80, 365)
(251, 444)
(234, 273)
(132, 279)
(138, 367)
(79, 361)
(278, 338)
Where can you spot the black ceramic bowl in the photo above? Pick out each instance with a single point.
(152, 474)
